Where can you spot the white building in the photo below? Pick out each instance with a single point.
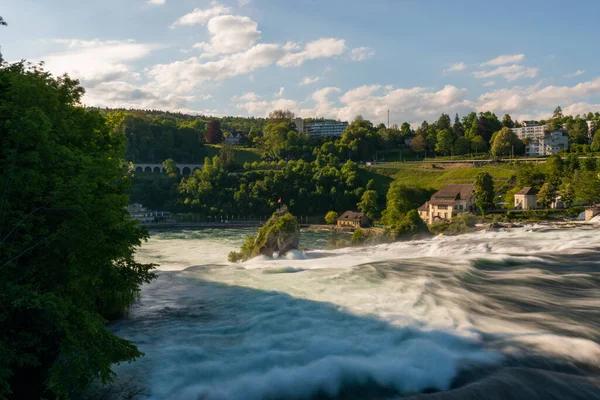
(591, 128)
(539, 142)
(554, 142)
(320, 128)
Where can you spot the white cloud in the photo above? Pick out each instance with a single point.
(321, 48)
(249, 96)
(489, 83)
(576, 73)
(122, 94)
(324, 107)
(455, 67)
(362, 53)
(504, 59)
(309, 80)
(230, 34)
(96, 61)
(280, 92)
(581, 108)
(183, 76)
(243, 3)
(263, 107)
(157, 2)
(537, 100)
(201, 17)
(508, 72)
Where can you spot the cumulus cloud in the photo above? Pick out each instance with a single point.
(263, 107)
(280, 92)
(122, 94)
(504, 59)
(320, 48)
(362, 53)
(309, 80)
(183, 76)
(157, 2)
(96, 61)
(243, 3)
(508, 72)
(489, 83)
(324, 107)
(576, 73)
(230, 34)
(455, 67)
(201, 16)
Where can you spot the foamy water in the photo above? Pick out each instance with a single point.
(509, 314)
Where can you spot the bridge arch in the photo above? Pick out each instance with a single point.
(139, 169)
(186, 171)
(156, 170)
(148, 169)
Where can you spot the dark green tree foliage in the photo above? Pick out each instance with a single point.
(66, 242)
(507, 121)
(400, 200)
(487, 124)
(484, 191)
(578, 132)
(547, 194)
(505, 142)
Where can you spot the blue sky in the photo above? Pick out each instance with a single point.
(328, 58)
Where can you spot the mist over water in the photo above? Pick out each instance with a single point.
(495, 315)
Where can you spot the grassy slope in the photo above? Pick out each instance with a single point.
(242, 154)
(424, 176)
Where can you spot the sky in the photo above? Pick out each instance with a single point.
(318, 58)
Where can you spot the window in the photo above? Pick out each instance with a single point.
(442, 207)
(446, 215)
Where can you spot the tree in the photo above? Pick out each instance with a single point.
(578, 133)
(558, 113)
(214, 134)
(227, 155)
(331, 218)
(444, 122)
(479, 145)
(546, 195)
(170, 167)
(567, 193)
(596, 141)
(554, 167)
(507, 121)
(462, 145)
(458, 129)
(484, 192)
(401, 199)
(368, 204)
(278, 116)
(418, 144)
(505, 142)
(67, 241)
(444, 142)
(2, 22)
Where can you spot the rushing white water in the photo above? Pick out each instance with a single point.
(485, 314)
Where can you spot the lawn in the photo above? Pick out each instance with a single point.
(429, 177)
(242, 154)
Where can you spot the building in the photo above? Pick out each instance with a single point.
(299, 122)
(447, 203)
(323, 129)
(353, 219)
(526, 199)
(320, 128)
(234, 138)
(538, 142)
(144, 216)
(554, 142)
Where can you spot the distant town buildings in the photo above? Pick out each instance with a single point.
(447, 203)
(539, 142)
(320, 128)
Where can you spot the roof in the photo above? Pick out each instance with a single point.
(450, 193)
(351, 216)
(424, 207)
(527, 191)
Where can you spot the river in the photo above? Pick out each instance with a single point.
(493, 315)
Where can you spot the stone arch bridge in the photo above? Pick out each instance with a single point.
(183, 169)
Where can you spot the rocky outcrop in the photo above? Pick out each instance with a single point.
(279, 235)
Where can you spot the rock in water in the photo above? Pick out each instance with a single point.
(280, 234)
